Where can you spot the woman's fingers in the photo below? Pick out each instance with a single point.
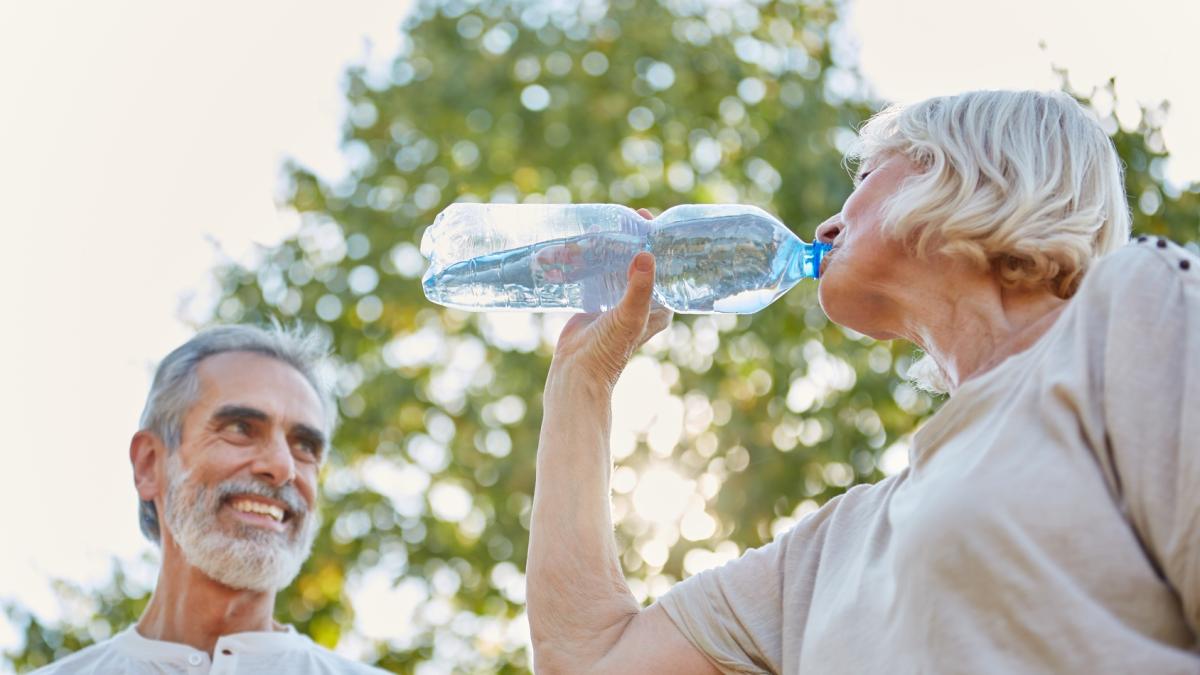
(660, 318)
(577, 323)
(603, 343)
(645, 213)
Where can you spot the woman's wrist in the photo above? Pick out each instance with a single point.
(576, 385)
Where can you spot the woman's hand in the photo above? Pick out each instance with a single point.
(597, 347)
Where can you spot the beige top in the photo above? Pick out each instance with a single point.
(1049, 520)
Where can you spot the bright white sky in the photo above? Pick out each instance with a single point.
(134, 133)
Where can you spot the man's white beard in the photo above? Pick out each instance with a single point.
(251, 558)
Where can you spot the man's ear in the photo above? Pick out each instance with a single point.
(146, 450)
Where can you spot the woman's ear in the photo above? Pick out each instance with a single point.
(146, 450)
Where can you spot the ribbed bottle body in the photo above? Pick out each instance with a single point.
(711, 258)
(531, 257)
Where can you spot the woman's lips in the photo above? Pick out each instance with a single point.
(825, 259)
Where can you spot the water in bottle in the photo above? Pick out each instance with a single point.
(573, 257)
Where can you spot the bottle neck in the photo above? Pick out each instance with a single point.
(804, 261)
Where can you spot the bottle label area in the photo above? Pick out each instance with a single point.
(577, 272)
(727, 263)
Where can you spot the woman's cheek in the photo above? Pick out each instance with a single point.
(831, 291)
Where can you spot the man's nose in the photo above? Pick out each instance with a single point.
(829, 230)
(274, 463)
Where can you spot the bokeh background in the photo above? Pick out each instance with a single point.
(168, 167)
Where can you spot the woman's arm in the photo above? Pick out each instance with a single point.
(1146, 302)
(582, 616)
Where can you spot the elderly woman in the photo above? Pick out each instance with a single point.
(1049, 520)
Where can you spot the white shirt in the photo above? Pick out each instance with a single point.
(1048, 522)
(128, 653)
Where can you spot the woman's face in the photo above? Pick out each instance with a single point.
(866, 272)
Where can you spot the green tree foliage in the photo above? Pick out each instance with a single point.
(761, 418)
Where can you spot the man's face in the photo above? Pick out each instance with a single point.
(241, 486)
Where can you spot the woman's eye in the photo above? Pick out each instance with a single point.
(863, 176)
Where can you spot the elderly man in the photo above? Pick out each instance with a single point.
(233, 435)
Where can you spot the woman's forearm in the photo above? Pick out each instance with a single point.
(577, 598)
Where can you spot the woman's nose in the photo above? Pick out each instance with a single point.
(829, 230)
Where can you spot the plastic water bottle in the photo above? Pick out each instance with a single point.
(711, 258)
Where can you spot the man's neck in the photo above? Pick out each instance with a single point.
(189, 607)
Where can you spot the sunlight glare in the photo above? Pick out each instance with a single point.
(639, 395)
(697, 525)
(662, 495)
(450, 502)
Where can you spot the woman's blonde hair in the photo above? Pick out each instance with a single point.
(1025, 183)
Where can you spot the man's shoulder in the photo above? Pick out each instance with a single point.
(95, 658)
(340, 663)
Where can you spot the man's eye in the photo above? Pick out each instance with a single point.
(863, 176)
(238, 427)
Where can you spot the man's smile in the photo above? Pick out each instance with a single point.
(259, 512)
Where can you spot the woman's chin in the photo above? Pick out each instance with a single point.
(831, 295)
(833, 310)
(847, 310)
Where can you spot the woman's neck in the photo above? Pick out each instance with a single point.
(973, 324)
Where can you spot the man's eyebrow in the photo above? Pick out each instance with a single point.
(240, 412)
(245, 412)
(309, 434)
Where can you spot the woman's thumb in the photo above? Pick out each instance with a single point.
(619, 330)
(634, 308)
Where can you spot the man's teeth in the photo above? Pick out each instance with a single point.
(251, 506)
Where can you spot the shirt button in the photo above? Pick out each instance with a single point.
(195, 659)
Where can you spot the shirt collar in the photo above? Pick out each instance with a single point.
(132, 643)
(265, 641)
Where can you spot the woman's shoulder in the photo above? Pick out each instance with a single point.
(1145, 260)
(1142, 278)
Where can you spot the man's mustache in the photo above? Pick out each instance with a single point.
(288, 494)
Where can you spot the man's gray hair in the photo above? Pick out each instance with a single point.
(176, 384)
